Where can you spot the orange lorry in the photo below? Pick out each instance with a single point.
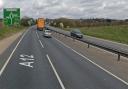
(40, 23)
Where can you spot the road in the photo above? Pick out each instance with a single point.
(45, 63)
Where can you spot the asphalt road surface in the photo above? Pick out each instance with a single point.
(44, 63)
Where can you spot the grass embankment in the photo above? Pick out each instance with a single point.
(113, 33)
(8, 31)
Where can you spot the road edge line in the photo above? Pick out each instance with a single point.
(6, 63)
(58, 77)
(123, 81)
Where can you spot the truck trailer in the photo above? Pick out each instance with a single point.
(40, 24)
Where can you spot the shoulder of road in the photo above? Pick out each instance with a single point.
(104, 58)
(6, 42)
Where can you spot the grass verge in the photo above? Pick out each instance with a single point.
(113, 33)
(8, 31)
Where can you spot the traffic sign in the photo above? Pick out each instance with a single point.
(11, 16)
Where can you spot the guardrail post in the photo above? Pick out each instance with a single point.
(88, 45)
(118, 57)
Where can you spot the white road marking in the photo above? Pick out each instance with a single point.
(60, 81)
(93, 62)
(41, 44)
(25, 57)
(39, 40)
(3, 68)
(28, 64)
(28, 56)
(27, 60)
(37, 35)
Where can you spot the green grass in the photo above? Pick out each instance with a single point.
(114, 33)
(8, 31)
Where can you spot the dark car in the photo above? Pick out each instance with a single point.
(76, 33)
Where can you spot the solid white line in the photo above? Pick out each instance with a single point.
(6, 63)
(41, 44)
(37, 34)
(60, 81)
(93, 62)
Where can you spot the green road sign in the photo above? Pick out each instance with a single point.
(11, 16)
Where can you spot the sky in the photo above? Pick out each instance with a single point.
(114, 9)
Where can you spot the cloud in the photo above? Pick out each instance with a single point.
(71, 8)
(1, 3)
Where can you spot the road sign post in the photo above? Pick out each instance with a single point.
(11, 16)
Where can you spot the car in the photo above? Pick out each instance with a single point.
(47, 33)
(76, 33)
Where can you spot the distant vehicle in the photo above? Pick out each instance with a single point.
(76, 33)
(47, 33)
(40, 24)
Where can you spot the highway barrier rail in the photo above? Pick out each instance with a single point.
(103, 45)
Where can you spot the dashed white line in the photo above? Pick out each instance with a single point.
(6, 63)
(41, 44)
(60, 81)
(39, 40)
(37, 34)
(93, 62)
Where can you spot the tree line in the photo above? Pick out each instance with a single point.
(86, 22)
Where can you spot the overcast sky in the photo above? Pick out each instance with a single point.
(117, 9)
